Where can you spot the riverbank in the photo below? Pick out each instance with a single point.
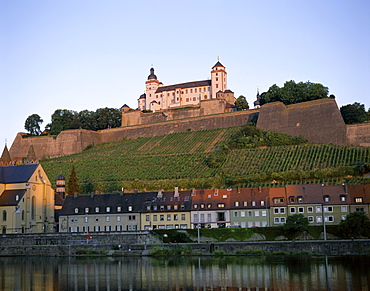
(144, 243)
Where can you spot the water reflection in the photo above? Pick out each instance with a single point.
(186, 273)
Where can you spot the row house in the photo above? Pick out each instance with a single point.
(249, 207)
(315, 201)
(212, 208)
(166, 210)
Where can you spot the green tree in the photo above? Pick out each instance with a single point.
(241, 103)
(108, 118)
(356, 224)
(32, 124)
(354, 113)
(88, 119)
(293, 92)
(296, 223)
(63, 119)
(73, 186)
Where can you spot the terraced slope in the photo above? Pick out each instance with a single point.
(183, 160)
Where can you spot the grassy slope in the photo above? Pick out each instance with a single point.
(180, 159)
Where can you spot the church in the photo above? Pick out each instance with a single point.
(159, 97)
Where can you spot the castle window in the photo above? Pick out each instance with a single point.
(187, 99)
(186, 91)
(195, 90)
(194, 98)
(191, 90)
(216, 85)
(216, 79)
(4, 215)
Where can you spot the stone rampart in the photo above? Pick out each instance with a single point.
(318, 121)
(359, 134)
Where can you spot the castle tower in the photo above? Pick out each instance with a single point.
(61, 186)
(151, 85)
(257, 102)
(218, 79)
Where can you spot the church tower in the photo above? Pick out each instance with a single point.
(218, 79)
(5, 159)
(151, 85)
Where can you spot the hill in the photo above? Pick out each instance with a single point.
(234, 156)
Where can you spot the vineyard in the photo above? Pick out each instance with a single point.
(182, 159)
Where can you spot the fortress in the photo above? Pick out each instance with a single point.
(201, 105)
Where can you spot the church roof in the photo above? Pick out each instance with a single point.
(17, 174)
(11, 197)
(142, 96)
(218, 64)
(184, 85)
(152, 76)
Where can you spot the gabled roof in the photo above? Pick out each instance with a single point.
(184, 85)
(11, 197)
(17, 174)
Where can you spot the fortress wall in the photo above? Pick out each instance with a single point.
(66, 143)
(359, 134)
(199, 123)
(318, 121)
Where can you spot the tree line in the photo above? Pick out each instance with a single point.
(63, 119)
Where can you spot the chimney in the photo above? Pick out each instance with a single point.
(176, 192)
(92, 194)
(75, 195)
(159, 193)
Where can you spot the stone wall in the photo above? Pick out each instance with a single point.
(359, 134)
(318, 121)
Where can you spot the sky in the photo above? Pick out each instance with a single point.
(91, 54)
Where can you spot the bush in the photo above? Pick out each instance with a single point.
(356, 224)
(296, 223)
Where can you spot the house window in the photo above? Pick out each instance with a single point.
(358, 200)
(147, 218)
(250, 214)
(161, 217)
(318, 219)
(359, 209)
(86, 219)
(256, 213)
(118, 218)
(329, 218)
(182, 216)
(236, 203)
(328, 209)
(309, 209)
(175, 217)
(318, 209)
(245, 203)
(209, 217)
(282, 210)
(276, 210)
(221, 216)
(202, 205)
(253, 203)
(242, 213)
(300, 199)
(202, 217)
(300, 209)
(343, 198)
(107, 218)
(264, 212)
(162, 207)
(292, 210)
(278, 200)
(209, 205)
(224, 196)
(221, 205)
(107, 228)
(326, 198)
(168, 217)
(282, 219)
(291, 199)
(310, 219)
(22, 214)
(344, 208)
(131, 217)
(154, 217)
(235, 213)
(33, 207)
(96, 219)
(4, 215)
(344, 217)
(168, 207)
(195, 206)
(262, 203)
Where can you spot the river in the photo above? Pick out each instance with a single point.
(186, 273)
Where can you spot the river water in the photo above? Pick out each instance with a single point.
(186, 273)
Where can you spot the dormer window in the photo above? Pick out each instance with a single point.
(76, 210)
(96, 209)
(86, 210)
(130, 208)
(343, 198)
(16, 197)
(108, 209)
(326, 198)
(300, 199)
(119, 208)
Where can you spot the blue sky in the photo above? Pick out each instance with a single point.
(93, 54)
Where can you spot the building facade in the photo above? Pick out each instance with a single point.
(26, 200)
(159, 97)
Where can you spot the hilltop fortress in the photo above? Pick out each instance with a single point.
(201, 105)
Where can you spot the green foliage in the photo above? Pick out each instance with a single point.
(223, 234)
(354, 113)
(249, 252)
(296, 223)
(175, 250)
(241, 103)
(219, 253)
(355, 225)
(32, 124)
(293, 92)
